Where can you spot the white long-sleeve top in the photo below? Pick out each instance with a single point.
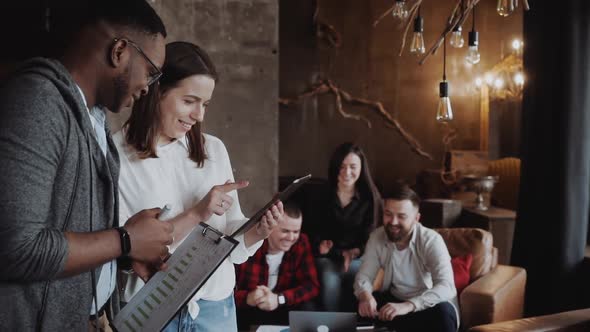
(422, 274)
(174, 179)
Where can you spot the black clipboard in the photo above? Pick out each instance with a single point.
(282, 196)
(191, 265)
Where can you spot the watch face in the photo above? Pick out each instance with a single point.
(281, 299)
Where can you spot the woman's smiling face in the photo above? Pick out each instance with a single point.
(184, 105)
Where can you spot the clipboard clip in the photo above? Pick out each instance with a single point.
(212, 233)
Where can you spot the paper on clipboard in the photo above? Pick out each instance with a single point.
(191, 265)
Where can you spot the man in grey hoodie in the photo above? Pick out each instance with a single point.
(59, 227)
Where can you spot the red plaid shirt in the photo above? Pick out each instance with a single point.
(297, 281)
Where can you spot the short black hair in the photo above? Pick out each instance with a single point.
(45, 28)
(134, 14)
(69, 16)
(292, 209)
(401, 191)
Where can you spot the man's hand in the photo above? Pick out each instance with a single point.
(325, 246)
(348, 256)
(269, 220)
(367, 305)
(265, 226)
(217, 201)
(269, 301)
(149, 237)
(254, 296)
(391, 310)
(143, 270)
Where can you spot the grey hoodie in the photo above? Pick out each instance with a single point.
(53, 178)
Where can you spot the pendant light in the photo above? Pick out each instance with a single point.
(417, 46)
(399, 10)
(444, 112)
(473, 55)
(457, 40)
(506, 7)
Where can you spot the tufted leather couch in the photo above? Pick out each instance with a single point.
(496, 292)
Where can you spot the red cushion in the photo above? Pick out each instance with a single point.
(461, 266)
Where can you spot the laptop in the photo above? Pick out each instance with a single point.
(321, 321)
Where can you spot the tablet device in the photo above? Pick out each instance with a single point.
(282, 196)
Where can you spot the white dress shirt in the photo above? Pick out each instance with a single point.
(174, 179)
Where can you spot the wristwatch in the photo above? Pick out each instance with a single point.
(125, 241)
(281, 299)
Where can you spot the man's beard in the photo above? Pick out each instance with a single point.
(395, 237)
(121, 90)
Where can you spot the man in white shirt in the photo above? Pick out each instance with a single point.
(418, 291)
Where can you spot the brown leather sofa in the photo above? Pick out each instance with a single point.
(496, 292)
(569, 321)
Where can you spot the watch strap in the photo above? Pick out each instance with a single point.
(125, 241)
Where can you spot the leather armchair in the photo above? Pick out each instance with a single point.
(496, 292)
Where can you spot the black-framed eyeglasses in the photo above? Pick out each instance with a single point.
(153, 77)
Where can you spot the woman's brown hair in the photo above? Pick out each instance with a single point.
(365, 185)
(182, 60)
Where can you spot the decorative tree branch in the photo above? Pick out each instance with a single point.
(387, 12)
(327, 86)
(457, 18)
(324, 31)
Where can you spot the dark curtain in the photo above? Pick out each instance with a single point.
(552, 221)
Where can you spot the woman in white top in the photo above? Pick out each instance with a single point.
(166, 159)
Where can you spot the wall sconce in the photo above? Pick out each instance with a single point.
(505, 80)
(517, 46)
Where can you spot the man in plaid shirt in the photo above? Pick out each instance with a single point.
(280, 277)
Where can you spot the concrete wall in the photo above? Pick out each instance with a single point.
(241, 38)
(367, 65)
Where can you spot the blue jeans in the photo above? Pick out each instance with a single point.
(337, 293)
(213, 316)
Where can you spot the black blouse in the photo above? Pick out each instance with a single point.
(347, 226)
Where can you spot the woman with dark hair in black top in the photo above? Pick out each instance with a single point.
(351, 208)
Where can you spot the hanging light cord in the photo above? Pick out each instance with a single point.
(473, 20)
(419, 7)
(444, 58)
